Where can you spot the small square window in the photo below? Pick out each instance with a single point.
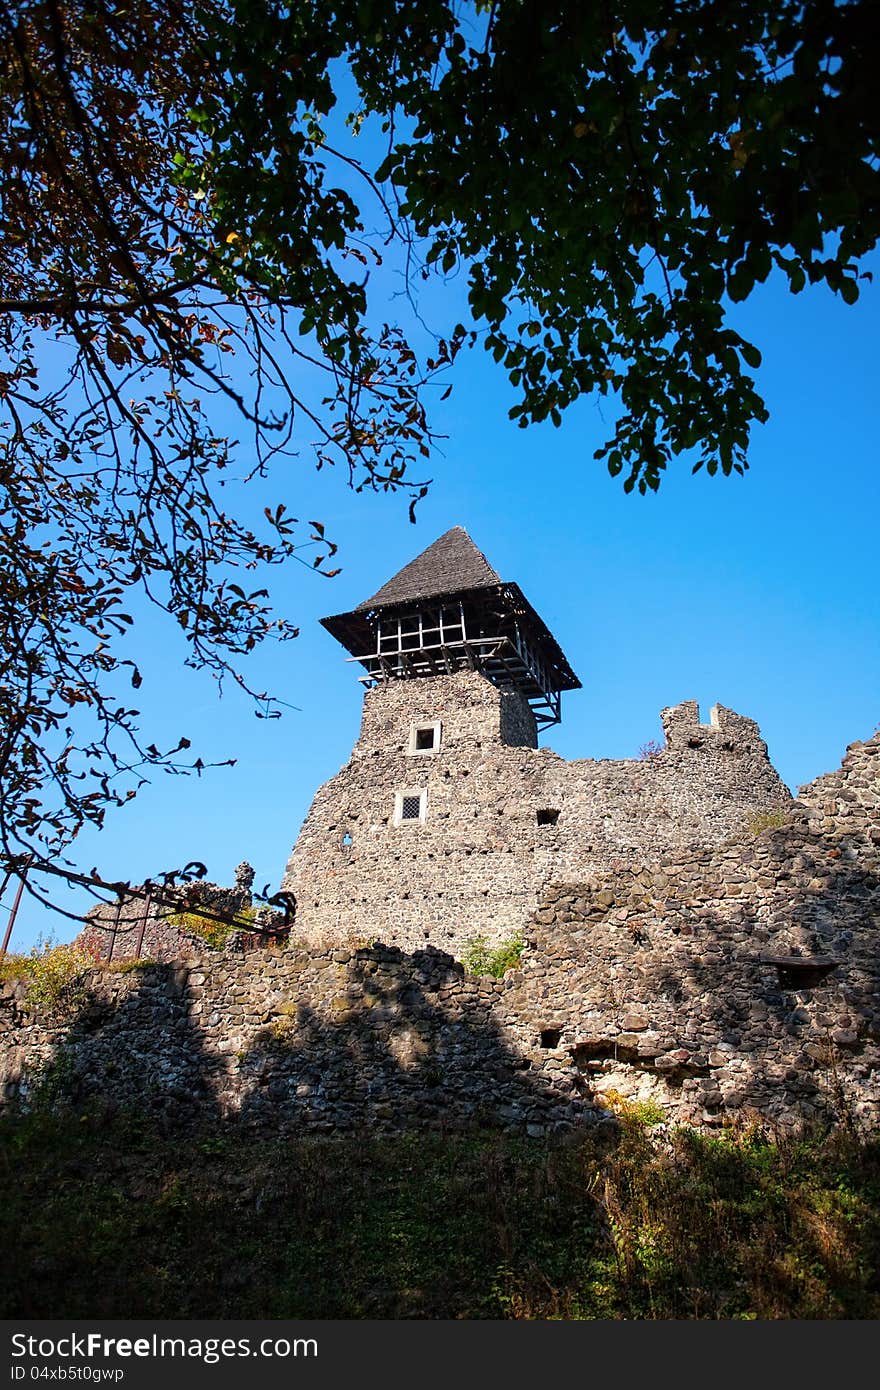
(424, 738)
(409, 807)
(548, 816)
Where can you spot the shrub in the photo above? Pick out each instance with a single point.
(651, 749)
(55, 976)
(14, 967)
(213, 932)
(479, 959)
(643, 1112)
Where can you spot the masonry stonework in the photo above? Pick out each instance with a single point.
(740, 979)
(502, 818)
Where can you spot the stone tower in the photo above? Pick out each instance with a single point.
(448, 821)
(448, 611)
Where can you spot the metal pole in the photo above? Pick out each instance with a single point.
(11, 923)
(140, 940)
(115, 929)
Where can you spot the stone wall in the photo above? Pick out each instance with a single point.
(316, 1040)
(744, 980)
(743, 977)
(850, 797)
(735, 980)
(502, 818)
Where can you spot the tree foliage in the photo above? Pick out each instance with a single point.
(185, 236)
(158, 227)
(615, 174)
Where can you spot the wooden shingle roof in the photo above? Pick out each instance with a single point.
(449, 566)
(451, 569)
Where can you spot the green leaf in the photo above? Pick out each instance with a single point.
(750, 354)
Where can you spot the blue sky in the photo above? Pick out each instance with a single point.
(757, 592)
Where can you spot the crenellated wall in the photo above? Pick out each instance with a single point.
(502, 818)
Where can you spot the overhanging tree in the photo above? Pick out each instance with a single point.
(182, 231)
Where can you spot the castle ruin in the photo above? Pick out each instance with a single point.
(692, 936)
(448, 821)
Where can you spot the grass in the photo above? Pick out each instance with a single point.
(113, 1216)
(766, 820)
